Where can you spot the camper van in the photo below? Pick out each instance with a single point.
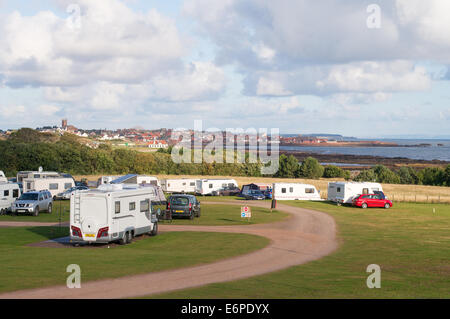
(295, 191)
(106, 180)
(35, 174)
(3, 178)
(114, 213)
(183, 185)
(344, 192)
(55, 184)
(213, 186)
(137, 179)
(9, 192)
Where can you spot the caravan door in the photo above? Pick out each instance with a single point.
(94, 215)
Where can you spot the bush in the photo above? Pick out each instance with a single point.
(332, 171)
(311, 168)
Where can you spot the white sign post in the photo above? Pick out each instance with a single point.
(246, 212)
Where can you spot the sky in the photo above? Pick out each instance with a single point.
(356, 68)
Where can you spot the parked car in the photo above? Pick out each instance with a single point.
(228, 191)
(67, 193)
(372, 200)
(184, 206)
(254, 195)
(33, 203)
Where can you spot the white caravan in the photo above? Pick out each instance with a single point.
(183, 185)
(106, 180)
(55, 185)
(213, 186)
(344, 192)
(3, 178)
(294, 191)
(9, 192)
(113, 212)
(137, 179)
(35, 174)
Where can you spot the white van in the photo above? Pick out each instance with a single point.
(113, 212)
(294, 191)
(184, 185)
(3, 178)
(344, 192)
(213, 186)
(55, 185)
(9, 192)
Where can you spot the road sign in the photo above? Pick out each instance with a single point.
(246, 212)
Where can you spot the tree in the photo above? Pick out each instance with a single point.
(433, 176)
(311, 168)
(288, 166)
(408, 175)
(332, 171)
(367, 175)
(385, 175)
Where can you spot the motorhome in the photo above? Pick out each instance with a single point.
(114, 213)
(35, 174)
(55, 184)
(183, 185)
(344, 192)
(9, 192)
(3, 178)
(213, 186)
(137, 179)
(295, 191)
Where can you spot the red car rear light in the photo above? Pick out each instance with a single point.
(103, 232)
(190, 206)
(76, 232)
(168, 205)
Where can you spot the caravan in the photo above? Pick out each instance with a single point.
(115, 212)
(345, 192)
(9, 192)
(55, 184)
(183, 185)
(213, 186)
(3, 178)
(106, 180)
(295, 191)
(137, 179)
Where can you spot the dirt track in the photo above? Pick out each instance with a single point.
(305, 236)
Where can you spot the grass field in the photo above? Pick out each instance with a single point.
(410, 242)
(25, 267)
(400, 193)
(61, 210)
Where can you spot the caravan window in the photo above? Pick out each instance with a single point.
(338, 189)
(53, 186)
(291, 189)
(15, 193)
(365, 191)
(6, 193)
(145, 206)
(37, 176)
(309, 190)
(67, 185)
(28, 185)
(117, 208)
(132, 206)
(283, 190)
(210, 185)
(184, 184)
(192, 184)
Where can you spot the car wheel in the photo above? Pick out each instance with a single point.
(2, 211)
(387, 206)
(191, 217)
(199, 213)
(364, 206)
(36, 211)
(123, 240)
(50, 208)
(154, 231)
(129, 237)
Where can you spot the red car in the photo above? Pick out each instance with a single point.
(371, 200)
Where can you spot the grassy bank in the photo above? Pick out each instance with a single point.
(410, 242)
(24, 267)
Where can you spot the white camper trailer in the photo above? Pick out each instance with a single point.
(294, 191)
(55, 185)
(9, 192)
(183, 185)
(344, 192)
(106, 180)
(3, 178)
(213, 186)
(114, 212)
(35, 174)
(137, 179)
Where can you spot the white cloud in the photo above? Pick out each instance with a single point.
(12, 112)
(48, 110)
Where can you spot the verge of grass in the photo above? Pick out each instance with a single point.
(222, 215)
(44, 217)
(410, 242)
(24, 267)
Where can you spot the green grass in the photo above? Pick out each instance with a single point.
(409, 242)
(215, 215)
(25, 267)
(44, 217)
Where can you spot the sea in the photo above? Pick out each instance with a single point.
(433, 152)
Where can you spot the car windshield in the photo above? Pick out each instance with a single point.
(28, 196)
(256, 193)
(179, 201)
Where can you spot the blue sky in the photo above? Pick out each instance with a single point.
(300, 66)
